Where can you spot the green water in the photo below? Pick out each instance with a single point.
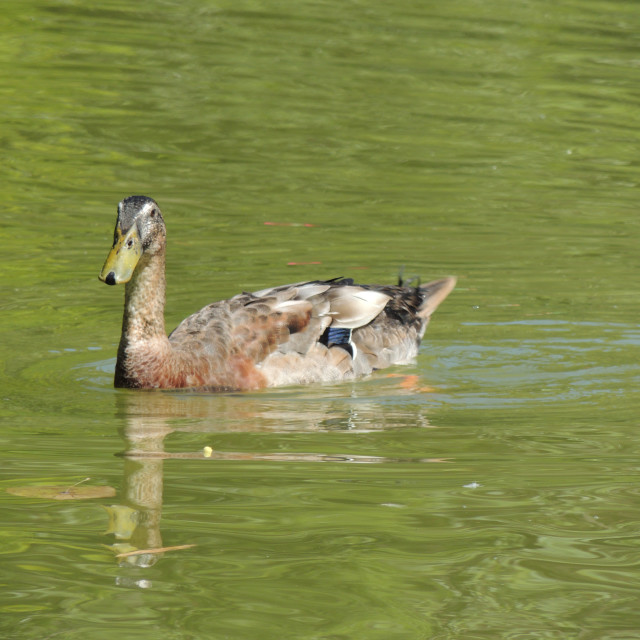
(495, 495)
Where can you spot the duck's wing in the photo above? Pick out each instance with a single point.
(283, 331)
(291, 317)
(317, 305)
(244, 325)
(287, 319)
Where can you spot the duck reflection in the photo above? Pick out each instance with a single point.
(136, 522)
(150, 416)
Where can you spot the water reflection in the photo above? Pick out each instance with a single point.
(152, 416)
(135, 522)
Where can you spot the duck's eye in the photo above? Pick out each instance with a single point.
(129, 243)
(153, 213)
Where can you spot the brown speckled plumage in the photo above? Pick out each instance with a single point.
(268, 338)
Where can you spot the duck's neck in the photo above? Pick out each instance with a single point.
(144, 300)
(143, 321)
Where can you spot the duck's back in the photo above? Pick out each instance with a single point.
(308, 332)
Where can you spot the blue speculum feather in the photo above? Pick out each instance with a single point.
(338, 337)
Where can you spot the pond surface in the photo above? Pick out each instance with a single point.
(490, 490)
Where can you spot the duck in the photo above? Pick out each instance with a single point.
(308, 332)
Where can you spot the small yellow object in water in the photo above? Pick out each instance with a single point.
(207, 452)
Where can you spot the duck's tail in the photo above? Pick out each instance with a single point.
(434, 293)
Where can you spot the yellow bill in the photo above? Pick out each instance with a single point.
(123, 257)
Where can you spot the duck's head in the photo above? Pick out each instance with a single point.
(139, 231)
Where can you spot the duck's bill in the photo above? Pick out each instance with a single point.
(123, 257)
